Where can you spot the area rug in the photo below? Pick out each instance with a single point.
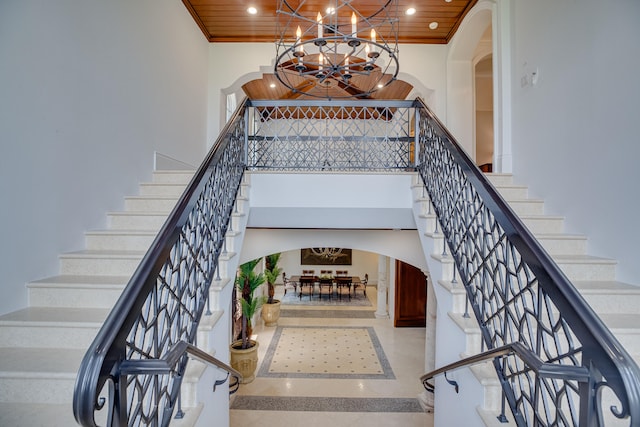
(326, 404)
(325, 352)
(292, 298)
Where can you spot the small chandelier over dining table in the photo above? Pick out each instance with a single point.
(343, 51)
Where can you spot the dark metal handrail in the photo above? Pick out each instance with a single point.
(168, 361)
(545, 370)
(519, 294)
(165, 298)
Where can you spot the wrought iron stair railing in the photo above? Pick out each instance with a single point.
(519, 295)
(155, 321)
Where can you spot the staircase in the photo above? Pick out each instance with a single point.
(618, 304)
(41, 346)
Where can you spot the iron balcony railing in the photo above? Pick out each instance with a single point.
(331, 136)
(518, 294)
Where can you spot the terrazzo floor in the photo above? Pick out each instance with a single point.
(308, 377)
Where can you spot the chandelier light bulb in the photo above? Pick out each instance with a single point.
(354, 25)
(319, 20)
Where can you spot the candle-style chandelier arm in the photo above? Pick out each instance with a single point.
(338, 49)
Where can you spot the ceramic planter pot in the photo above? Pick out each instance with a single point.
(244, 361)
(271, 313)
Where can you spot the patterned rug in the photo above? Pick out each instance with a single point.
(292, 298)
(325, 352)
(326, 404)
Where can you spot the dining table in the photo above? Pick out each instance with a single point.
(341, 282)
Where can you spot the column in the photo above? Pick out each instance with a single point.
(426, 398)
(383, 284)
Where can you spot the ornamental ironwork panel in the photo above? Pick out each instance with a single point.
(330, 137)
(517, 295)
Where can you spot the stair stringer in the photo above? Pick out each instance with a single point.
(210, 407)
(450, 408)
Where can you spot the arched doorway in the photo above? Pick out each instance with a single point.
(470, 86)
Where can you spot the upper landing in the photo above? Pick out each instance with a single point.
(331, 200)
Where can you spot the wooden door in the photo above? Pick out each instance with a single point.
(411, 296)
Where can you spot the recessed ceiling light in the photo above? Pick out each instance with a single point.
(433, 25)
(252, 10)
(410, 11)
(448, 1)
(272, 85)
(380, 85)
(331, 10)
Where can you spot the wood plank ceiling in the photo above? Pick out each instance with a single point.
(223, 21)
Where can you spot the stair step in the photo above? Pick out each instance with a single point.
(42, 375)
(150, 221)
(527, 207)
(161, 189)
(173, 176)
(76, 291)
(610, 296)
(586, 268)
(626, 328)
(150, 203)
(543, 224)
(44, 327)
(513, 192)
(112, 240)
(38, 414)
(191, 415)
(490, 418)
(563, 244)
(500, 179)
(101, 263)
(487, 376)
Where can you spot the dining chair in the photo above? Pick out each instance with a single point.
(362, 284)
(288, 284)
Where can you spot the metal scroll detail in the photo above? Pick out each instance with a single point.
(517, 297)
(165, 298)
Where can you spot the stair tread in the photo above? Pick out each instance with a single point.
(99, 253)
(605, 286)
(56, 316)
(17, 361)
(543, 216)
(152, 197)
(78, 279)
(139, 213)
(118, 232)
(36, 414)
(621, 321)
(560, 236)
(582, 259)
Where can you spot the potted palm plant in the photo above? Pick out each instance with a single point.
(244, 351)
(271, 308)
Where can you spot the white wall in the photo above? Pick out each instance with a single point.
(88, 91)
(575, 133)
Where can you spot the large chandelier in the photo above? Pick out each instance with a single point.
(342, 51)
